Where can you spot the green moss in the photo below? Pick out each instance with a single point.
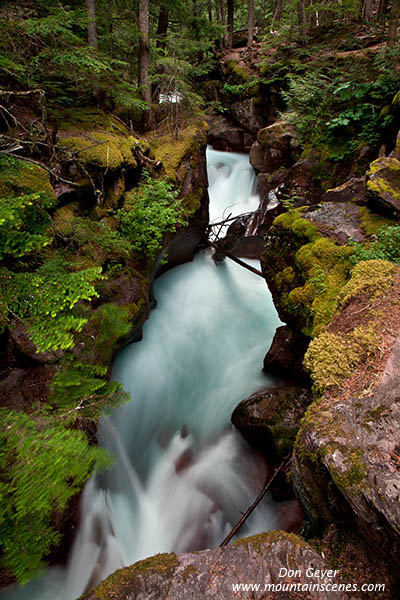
(380, 186)
(307, 291)
(192, 202)
(233, 67)
(302, 297)
(64, 218)
(158, 563)
(370, 277)
(284, 278)
(18, 177)
(325, 267)
(102, 150)
(190, 570)
(125, 581)
(332, 357)
(367, 337)
(289, 220)
(284, 438)
(371, 222)
(90, 119)
(171, 151)
(350, 479)
(259, 541)
(302, 227)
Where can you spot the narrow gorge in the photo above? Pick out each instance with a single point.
(199, 300)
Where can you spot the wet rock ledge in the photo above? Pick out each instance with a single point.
(265, 559)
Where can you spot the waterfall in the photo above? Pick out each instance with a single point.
(182, 476)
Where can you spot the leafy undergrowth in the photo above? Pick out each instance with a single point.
(58, 268)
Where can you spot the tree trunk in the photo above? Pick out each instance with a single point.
(209, 8)
(110, 26)
(250, 23)
(162, 26)
(368, 10)
(92, 26)
(230, 23)
(223, 11)
(301, 11)
(278, 11)
(218, 12)
(144, 56)
(393, 24)
(382, 11)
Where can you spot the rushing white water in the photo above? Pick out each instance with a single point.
(182, 475)
(232, 184)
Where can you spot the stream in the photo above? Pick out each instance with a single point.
(182, 475)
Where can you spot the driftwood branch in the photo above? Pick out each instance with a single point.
(26, 93)
(229, 218)
(216, 235)
(285, 462)
(236, 260)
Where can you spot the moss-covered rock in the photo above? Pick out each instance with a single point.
(172, 151)
(331, 357)
(211, 573)
(305, 272)
(269, 420)
(239, 72)
(384, 183)
(103, 150)
(88, 119)
(372, 277)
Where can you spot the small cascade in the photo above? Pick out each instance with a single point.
(182, 475)
(232, 184)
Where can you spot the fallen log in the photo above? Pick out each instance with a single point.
(285, 462)
(235, 259)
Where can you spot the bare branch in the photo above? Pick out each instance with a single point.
(40, 164)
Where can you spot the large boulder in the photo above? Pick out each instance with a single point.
(339, 220)
(352, 190)
(283, 565)
(347, 454)
(228, 136)
(269, 420)
(246, 114)
(276, 147)
(383, 181)
(304, 271)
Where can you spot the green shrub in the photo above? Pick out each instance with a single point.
(43, 465)
(45, 300)
(81, 391)
(149, 212)
(386, 246)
